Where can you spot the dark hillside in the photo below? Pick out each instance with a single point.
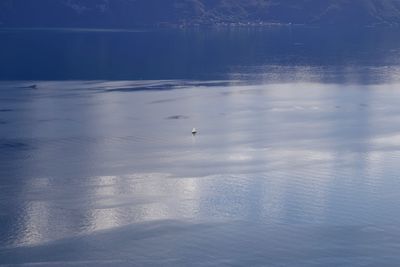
(134, 13)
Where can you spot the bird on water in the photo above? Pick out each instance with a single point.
(194, 131)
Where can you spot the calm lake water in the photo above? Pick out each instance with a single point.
(296, 162)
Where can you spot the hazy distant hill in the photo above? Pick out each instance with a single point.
(134, 13)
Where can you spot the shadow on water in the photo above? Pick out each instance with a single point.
(172, 243)
(8, 146)
(177, 117)
(212, 54)
(163, 87)
(166, 86)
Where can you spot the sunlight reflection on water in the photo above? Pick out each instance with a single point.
(268, 154)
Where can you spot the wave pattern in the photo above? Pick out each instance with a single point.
(302, 174)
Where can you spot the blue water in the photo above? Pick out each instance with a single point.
(295, 163)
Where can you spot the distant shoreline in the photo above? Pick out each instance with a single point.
(240, 25)
(72, 29)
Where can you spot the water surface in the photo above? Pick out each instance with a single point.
(295, 164)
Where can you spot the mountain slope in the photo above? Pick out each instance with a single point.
(134, 13)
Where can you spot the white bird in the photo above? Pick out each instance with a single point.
(194, 131)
